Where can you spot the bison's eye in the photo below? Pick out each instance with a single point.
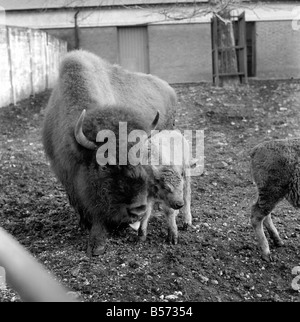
(121, 187)
(155, 189)
(104, 168)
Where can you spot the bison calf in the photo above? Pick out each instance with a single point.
(170, 183)
(275, 170)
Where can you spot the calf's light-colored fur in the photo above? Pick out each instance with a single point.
(171, 181)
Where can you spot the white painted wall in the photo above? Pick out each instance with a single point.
(29, 61)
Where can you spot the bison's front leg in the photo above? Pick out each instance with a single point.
(97, 239)
(171, 215)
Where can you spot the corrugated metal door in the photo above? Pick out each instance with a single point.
(133, 48)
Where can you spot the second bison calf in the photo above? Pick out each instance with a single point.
(275, 169)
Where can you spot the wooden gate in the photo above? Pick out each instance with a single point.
(219, 51)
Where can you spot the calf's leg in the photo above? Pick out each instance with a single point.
(260, 211)
(257, 217)
(272, 230)
(142, 232)
(171, 215)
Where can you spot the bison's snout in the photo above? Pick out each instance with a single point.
(177, 205)
(136, 211)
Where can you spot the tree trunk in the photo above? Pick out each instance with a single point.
(227, 58)
(76, 31)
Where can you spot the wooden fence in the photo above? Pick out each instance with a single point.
(29, 62)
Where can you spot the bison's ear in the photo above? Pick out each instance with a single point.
(155, 122)
(193, 163)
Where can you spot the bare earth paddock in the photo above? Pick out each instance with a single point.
(218, 261)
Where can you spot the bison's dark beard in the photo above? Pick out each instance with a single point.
(118, 218)
(115, 218)
(107, 201)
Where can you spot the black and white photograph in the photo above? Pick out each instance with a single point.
(149, 153)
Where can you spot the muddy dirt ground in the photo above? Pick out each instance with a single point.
(217, 261)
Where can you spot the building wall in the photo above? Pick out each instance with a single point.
(101, 41)
(277, 50)
(180, 53)
(177, 53)
(66, 34)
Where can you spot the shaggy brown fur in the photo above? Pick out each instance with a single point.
(275, 170)
(109, 94)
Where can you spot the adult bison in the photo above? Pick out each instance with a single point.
(92, 95)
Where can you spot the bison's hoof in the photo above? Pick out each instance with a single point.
(142, 238)
(172, 240)
(278, 243)
(99, 250)
(267, 257)
(185, 226)
(96, 251)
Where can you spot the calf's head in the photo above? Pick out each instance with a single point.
(170, 181)
(168, 185)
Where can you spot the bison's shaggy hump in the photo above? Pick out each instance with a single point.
(85, 77)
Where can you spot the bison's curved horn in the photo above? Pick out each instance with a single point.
(155, 122)
(80, 137)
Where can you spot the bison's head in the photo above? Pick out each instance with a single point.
(130, 189)
(119, 191)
